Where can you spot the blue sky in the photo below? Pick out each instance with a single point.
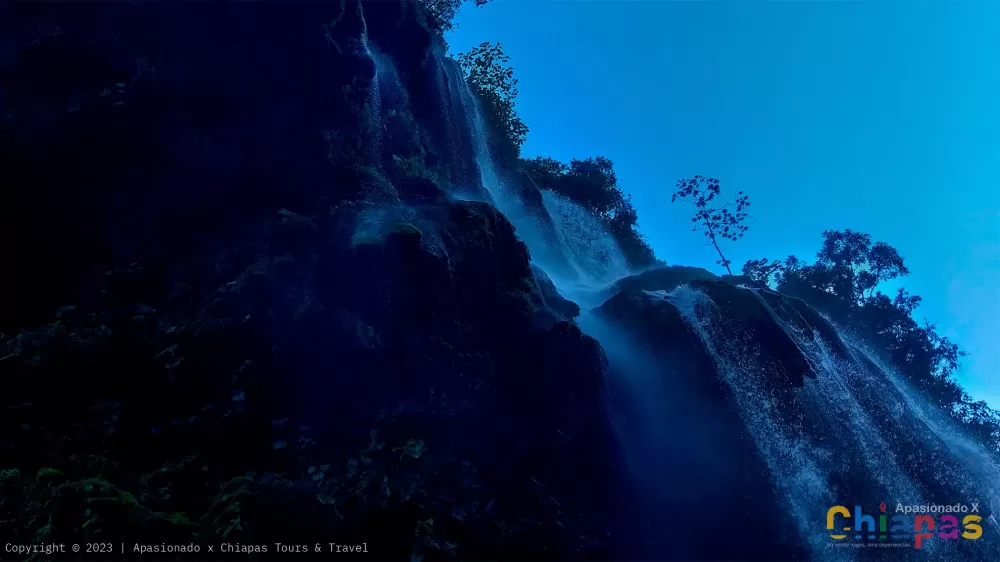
(880, 116)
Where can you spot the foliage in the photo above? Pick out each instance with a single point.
(848, 266)
(492, 81)
(440, 14)
(714, 222)
(762, 271)
(592, 184)
(844, 283)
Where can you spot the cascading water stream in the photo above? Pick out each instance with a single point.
(580, 237)
(590, 249)
(794, 463)
(375, 99)
(838, 429)
(831, 393)
(455, 107)
(978, 479)
(958, 465)
(388, 96)
(867, 418)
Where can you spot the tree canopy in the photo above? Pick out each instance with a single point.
(492, 80)
(440, 14)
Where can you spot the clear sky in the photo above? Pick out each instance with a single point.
(880, 116)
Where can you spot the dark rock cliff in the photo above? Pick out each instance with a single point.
(232, 321)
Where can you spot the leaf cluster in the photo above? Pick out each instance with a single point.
(714, 221)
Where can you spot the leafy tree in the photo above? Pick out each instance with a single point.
(492, 80)
(842, 253)
(544, 168)
(853, 267)
(761, 271)
(883, 264)
(906, 302)
(714, 222)
(440, 14)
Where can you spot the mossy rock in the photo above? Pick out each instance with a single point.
(48, 477)
(407, 236)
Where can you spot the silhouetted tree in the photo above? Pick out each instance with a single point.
(761, 271)
(852, 268)
(441, 13)
(906, 302)
(543, 168)
(843, 251)
(714, 222)
(492, 80)
(883, 264)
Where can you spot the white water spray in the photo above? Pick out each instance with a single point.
(579, 236)
(388, 96)
(374, 100)
(795, 463)
(591, 250)
(833, 394)
(979, 477)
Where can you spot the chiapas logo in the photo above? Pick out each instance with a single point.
(914, 524)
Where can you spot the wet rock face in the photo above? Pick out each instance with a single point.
(664, 278)
(746, 320)
(699, 431)
(765, 373)
(268, 320)
(167, 142)
(567, 308)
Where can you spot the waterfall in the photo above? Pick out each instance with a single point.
(796, 465)
(457, 106)
(978, 474)
(591, 249)
(853, 433)
(388, 97)
(833, 393)
(375, 98)
(683, 455)
(578, 237)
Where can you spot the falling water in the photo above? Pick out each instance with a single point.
(853, 427)
(592, 251)
(977, 477)
(388, 97)
(454, 103)
(579, 236)
(853, 423)
(795, 464)
(375, 99)
(832, 394)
